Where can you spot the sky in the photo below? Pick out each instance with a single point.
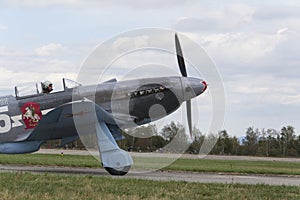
(255, 45)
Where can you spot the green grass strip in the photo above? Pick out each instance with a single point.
(49, 186)
(236, 166)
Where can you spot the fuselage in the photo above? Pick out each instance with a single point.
(130, 103)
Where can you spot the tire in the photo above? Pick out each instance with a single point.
(115, 172)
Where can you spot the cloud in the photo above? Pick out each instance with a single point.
(52, 62)
(46, 58)
(225, 19)
(292, 99)
(10, 78)
(153, 4)
(262, 90)
(253, 53)
(240, 49)
(49, 49)
(42, 3)
(39, 65)
(277, 12)
(284, 59)
(130, 42)
(3, 27)
(5, 52)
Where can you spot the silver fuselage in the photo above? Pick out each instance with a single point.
(138, 100)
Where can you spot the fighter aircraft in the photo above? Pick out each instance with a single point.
(32, 117)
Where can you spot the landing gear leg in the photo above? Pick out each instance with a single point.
(115, 161)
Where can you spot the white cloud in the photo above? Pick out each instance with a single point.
(284, 59)
(52, 62)
(225, 19)
(39, 65)
(6, 52)
(240, 47)
(292, 99)
(9, 79)
(261, 90)
(42, 3)
(130, 43)
(277, 12)
(153, 4)
(49, 49)
(3, 27)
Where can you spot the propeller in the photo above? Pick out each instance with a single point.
(181, 64)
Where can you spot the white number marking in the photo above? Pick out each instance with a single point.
(16, 121)
(6, 127)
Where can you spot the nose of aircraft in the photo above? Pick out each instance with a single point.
(193, 87)
(204, 86)
(197, 85)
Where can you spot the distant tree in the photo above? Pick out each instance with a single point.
(262, 149)
(273, 144)
(235, 146)
(210, 144)
(177, 138)
(219, 148)
(158, 142)
(297, 145)
(226, 143)
(169, 131)
(288, 139)
(251, 141)
(140, 138)
(198, 139)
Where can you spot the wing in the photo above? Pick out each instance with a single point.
(61, 122)
(53, 125)
(66, 121)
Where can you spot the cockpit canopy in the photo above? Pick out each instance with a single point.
(35, 89)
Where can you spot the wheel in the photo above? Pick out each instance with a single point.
(115, 172)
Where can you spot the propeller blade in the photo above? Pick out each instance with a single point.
(180, 58)
(181, 64)
(189, 115)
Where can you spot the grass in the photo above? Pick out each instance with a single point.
(50, 160)
(50, 186)
(195, 165)
(236, 166)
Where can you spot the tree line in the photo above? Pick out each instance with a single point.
(264, 142)
(172, 138)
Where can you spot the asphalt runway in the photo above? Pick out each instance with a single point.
(164, 175)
